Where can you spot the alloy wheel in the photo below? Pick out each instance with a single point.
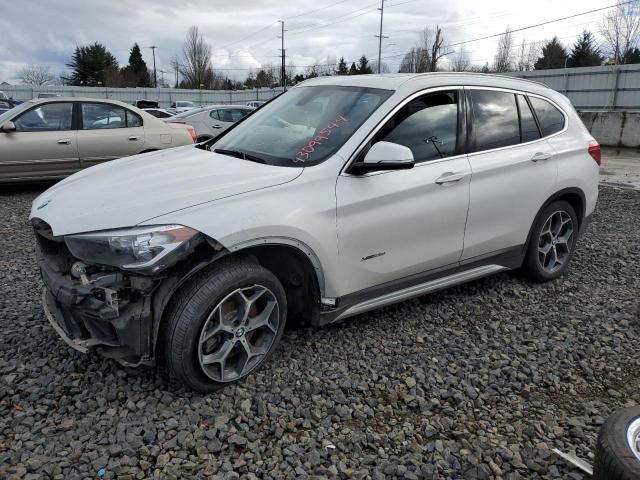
(238, 333)
(554, 243)
(633, 437)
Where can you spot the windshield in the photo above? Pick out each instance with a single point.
(304, 126)
(10, 113)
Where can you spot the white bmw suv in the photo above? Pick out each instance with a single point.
(340, 196)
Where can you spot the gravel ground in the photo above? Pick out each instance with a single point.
(479, 381)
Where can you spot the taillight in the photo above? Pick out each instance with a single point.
(194, 137)
(594, 150)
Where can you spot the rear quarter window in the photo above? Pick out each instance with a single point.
(550, 118)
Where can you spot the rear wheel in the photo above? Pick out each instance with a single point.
(224, 325)
(552, 243)
(618, 447)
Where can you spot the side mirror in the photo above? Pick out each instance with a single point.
(8, 127)
(386, 156)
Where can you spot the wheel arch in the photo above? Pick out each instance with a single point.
(574, 196)
(285, 257)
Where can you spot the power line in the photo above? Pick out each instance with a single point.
(539, 24)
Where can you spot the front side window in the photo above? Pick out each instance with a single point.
(96, 116)
(528, 127)
(51, 117)
(551, 119)
(303, 126)
(427, 125)
(495, 119)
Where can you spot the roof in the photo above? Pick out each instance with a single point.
(78, 99)
(396, 80)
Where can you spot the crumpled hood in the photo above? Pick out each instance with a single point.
(126, 192)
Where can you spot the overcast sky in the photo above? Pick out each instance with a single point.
(244, 33)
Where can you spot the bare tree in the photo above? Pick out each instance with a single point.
(384, 67)
(526, 55)
(620, 27)
(503, 61)
(195, 64)
(412, 61)
(36, 75)
(328, 67)
(461, 62)
(425, 56)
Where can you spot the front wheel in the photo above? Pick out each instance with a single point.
(552, 243)
(224, 325)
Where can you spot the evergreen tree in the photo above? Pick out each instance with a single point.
(92, 65)
(363, 66)
(585, 52)
(632, 56)
(342, 67)
(353, 70)
(553, 56)
(136, 74)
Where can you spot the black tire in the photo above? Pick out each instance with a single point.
(614, 459)
(532, 265)
(189, 309)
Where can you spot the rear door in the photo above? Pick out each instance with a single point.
(43, 146)
(514, 171)
(108, 132)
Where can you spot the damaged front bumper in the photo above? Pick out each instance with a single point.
(106, 310)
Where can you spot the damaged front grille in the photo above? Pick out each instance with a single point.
(53, 249)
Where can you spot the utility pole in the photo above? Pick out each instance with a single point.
(155, 76)
(380, 37)
(283, 72)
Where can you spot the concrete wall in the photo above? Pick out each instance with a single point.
(614, 129)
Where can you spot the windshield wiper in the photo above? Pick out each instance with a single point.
(239, 154)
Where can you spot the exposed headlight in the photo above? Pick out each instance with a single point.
(144, 249)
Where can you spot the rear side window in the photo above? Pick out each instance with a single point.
(551, 119)
(528, 127)
(133, 120)
(427, 125)
(495, 119)
(214, 114)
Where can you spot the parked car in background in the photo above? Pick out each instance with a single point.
(49, 139)
(255, 103)
(182, 106)
(342, 195)
(3, 109)
(210, 121)
(48, 95)
(159, 112)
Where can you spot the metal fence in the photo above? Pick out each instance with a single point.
(164, 96)
(610, 87)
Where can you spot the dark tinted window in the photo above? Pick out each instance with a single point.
(550, 118)
(46, 118)
(495, 119)
(214, 114)
(133, 120)
(528, 128)
(427, 125)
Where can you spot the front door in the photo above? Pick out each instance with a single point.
(108, 132)
(43, 146)
(399, 223)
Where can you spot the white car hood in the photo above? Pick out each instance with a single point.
(129, 191)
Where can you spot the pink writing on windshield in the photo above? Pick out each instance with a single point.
(323, 135)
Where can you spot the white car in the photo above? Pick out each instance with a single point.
(50, 138)
(256, 103)
(342, 195)
(182, 106)
(212, 120)
(159, 112)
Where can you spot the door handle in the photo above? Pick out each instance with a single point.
(540, 156)
(64, 141)
(450, 177)
(216, 126)
(133, 138)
